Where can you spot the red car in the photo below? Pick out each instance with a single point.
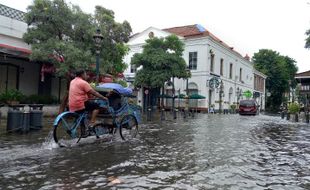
(248, 107)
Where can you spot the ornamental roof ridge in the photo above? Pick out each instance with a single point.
(12, 13)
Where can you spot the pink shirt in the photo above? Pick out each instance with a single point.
(78, 94)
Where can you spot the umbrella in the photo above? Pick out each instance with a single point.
(181, 96)
(196, 96)
(114, 86)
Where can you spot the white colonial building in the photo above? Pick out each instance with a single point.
(219, 73)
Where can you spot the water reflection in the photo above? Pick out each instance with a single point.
(208, 152)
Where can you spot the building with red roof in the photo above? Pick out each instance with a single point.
(209, 59)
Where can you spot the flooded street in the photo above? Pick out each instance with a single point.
(207, 152)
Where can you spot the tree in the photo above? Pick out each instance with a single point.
(307, 44)
(62, 35)
(161, 60)
(279, 70)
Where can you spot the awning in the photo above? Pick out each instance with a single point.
(12, 50)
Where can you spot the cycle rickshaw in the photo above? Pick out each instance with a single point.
(118, 115)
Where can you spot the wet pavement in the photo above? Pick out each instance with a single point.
(207, 152)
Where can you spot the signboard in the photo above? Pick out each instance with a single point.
(214, 82)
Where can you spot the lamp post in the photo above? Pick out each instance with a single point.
(98, 40)
(187, 97)
(238, 94)
(289, 90)
(221, 96)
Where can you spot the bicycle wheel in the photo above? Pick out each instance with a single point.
(128, 128)
(101, 129)
(66, 129)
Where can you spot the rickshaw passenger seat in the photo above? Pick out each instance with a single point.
(115, 101)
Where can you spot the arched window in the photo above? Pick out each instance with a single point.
(193, 89)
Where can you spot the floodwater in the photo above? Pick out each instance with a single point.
(207, 152)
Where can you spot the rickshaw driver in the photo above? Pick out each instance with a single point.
(78, 96)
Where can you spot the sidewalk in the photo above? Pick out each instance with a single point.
(48, 110)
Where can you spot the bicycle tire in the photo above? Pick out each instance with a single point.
(65, 129)
(128, 128)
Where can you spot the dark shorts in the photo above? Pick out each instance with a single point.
(89, 106)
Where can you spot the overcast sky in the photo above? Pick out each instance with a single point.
(247, 25)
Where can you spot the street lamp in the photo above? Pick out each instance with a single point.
(171, 83)
(221, 95)
(238, 94)
(188, 71)
(98, 40)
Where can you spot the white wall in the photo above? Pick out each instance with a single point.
(202, 75)
(11, 32)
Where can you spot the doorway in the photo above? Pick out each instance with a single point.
(9, 77)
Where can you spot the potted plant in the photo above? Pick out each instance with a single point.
(233, 108)
(11, 97)
(294, 108)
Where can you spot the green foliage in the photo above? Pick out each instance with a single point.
(307, 44)
(11, 95)
(233, 106)
(161, 60)
(57, 30)
(293, 108)
(279, 70)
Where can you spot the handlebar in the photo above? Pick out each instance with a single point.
(102, 103)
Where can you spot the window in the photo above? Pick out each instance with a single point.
(133, 69)
(212, 63)
(221, 67)
(192, 60)
(240, 75)
(230, 70)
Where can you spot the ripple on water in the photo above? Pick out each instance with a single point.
(207, 152)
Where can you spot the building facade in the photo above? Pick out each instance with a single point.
(219, 72)
(16, 69)
(303, 85)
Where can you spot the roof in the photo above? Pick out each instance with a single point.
(305, 74)
(197, 31)
(22, 52)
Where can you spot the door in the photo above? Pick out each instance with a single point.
(8, 77)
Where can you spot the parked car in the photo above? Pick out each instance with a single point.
(248, 107)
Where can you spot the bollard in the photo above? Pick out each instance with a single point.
(1, 105)
(15, 118)
(148, 115)
(36, 116)
(162, 115)
(296, 117)
(282, 115)
(307, 117)
(25, 122)
(193, 113)
(288, 116)
(174, 114)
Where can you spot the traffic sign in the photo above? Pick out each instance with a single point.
(146, 91)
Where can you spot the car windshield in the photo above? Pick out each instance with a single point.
(247, 103)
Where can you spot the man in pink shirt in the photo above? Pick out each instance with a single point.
(78, 96)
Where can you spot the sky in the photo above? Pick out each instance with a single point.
(246, 25)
